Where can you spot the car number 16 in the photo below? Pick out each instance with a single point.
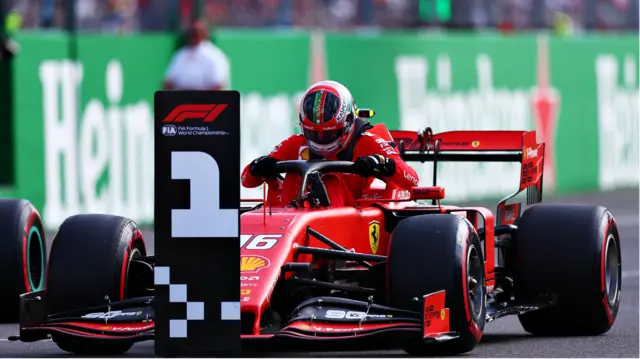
(259, 242)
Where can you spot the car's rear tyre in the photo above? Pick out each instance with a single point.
(88, 266)
(429, 253)
(23, 254)
(573, 252)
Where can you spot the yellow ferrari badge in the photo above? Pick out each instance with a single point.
(374, 236)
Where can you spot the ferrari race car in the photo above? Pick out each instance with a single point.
(397, 270)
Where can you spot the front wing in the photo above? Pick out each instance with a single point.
(325, 320)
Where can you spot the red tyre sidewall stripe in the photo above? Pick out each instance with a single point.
(605, 299)
(137, 235)
(123, 272)
(25, 270)
(473, 327)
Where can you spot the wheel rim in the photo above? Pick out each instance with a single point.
(135, 253)
(612, 270)
(475, 282)
(35, 259)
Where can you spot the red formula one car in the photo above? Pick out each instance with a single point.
(397, 270)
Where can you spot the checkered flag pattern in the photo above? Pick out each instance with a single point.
(195, 310)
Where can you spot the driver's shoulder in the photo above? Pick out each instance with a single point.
(297, 139)
(369, 137)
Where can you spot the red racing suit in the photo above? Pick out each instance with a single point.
(342, 188)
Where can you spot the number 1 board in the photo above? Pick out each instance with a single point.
(197, 222)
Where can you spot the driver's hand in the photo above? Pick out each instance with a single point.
(367, 165)
(263, 166)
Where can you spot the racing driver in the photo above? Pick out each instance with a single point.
(331, 131)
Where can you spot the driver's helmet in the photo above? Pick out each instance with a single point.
(327, 115)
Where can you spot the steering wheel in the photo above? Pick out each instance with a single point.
(313, 189)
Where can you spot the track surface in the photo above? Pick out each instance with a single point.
(504, 337)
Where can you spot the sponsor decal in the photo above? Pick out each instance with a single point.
(245, 291)
(341, 314)
(252, 264)
(374, 196)
(530, 153)
(404, 194)
(108, 315)
(617, 104)
(410, 178)
(475, 144)
(304, 153)
(126, 329)
(278, 147)
(335, 330)
(385, 146)
(374, 236)
(252, 277)
(259, 242)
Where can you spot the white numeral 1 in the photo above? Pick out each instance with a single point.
(204, 218)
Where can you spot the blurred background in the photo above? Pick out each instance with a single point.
(77, 79)
(168, 15)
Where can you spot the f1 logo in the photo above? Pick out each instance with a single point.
(207, 113)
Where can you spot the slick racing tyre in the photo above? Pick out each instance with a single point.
(434, 252)
(23, 258)
(88, 266)
(573, 253)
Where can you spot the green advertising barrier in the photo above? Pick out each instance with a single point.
(83, 127)
(581, 95)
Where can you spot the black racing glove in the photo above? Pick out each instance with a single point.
(263, 166)
(367, 165)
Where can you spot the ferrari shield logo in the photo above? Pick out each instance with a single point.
(475, 144)
(374, 236)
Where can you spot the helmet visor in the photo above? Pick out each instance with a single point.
(323, 137)
(320, 106)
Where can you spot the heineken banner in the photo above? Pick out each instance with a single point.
(84, 134)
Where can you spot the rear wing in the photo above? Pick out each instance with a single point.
(465, 146)
(477, 146)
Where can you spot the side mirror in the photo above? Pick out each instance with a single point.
(365, 113)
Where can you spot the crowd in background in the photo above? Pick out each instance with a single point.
(158, 15)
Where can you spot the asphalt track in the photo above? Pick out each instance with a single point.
(504, 337)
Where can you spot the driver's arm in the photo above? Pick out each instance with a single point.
(286, 150)
(404, 176)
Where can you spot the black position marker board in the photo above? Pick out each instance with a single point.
(197, 223)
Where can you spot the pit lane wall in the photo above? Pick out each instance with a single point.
(83, 126)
